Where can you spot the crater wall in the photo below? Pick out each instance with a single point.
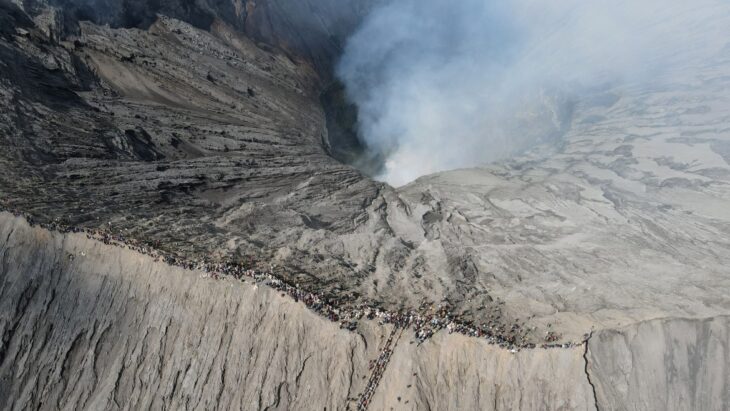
(86, 325)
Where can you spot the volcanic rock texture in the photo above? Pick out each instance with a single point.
(206, 137)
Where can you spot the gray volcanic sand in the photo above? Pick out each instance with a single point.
(212, 145)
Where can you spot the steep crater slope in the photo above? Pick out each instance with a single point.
(211, 147)
(224, 159)
(115, 127)
(208, 145)
(89, 325)
(314, 30)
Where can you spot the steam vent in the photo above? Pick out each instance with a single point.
(364, 205)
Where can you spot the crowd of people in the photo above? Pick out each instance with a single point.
(377, 369)
(425, 322)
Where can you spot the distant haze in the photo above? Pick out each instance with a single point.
(449, 84)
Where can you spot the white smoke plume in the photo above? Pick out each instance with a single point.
(449, 84)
